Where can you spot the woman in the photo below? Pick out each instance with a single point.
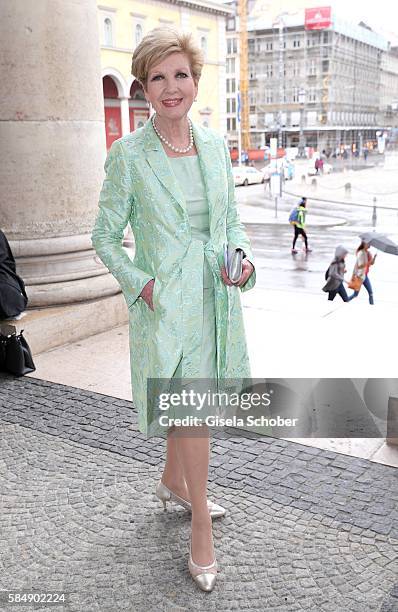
(172, 181)
(361, 269)
(299, 226)
(335, 275)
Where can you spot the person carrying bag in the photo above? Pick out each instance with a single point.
(361, 270)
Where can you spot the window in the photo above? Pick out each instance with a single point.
(312, 68)
(138, 34)
(230, 23)
(203, 44)
(295, 94)
(313, 39)
(269, 71)
(296, 43)
(325, 65)
(312, 95)
(232, 46)
(231, 85)
(108, 32)
(269, 46)
(231, 105)
(230, 65)
(269, 119)
(269, 97)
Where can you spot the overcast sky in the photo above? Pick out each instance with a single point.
(380, 15)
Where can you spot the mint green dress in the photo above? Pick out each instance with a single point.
(140, 189)
(189, 177)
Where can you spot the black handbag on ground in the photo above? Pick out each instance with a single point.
(15, 354)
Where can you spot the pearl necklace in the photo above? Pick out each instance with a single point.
(172, 147)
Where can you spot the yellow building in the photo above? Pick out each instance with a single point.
(123, 23)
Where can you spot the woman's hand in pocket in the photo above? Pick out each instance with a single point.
(147, 293)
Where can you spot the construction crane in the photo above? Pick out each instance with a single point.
(243, 125)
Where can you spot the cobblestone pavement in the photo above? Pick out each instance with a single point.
(306, 529)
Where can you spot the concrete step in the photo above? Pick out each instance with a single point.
(48, 328)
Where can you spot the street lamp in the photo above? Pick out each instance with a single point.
(302, 143)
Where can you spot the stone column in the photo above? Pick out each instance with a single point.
(125, 114)
(53, 147)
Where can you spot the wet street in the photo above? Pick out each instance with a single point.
(277, 269)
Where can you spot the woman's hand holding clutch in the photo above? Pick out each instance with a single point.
(147, 293)
(247, 270)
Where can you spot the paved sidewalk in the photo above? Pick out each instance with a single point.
(306, 529)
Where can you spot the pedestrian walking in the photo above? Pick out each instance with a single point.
(364, 259)
(335, 275)
(170, 179)
(317, 166)
(297, 219)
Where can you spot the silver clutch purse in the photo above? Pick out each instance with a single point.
(233, 262)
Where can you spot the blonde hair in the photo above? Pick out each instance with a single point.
(158, 44)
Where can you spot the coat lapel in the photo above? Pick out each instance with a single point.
(208, 160)
(159, 162)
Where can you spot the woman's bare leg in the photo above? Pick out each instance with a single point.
(193, 449)
(173, 474)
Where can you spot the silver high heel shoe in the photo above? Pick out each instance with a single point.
(201, 574)
(165, 495)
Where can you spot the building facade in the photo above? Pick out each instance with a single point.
(389, 88)
(232, 76)
(320, 86)
(122, 25)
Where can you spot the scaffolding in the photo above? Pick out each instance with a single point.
(243, 75)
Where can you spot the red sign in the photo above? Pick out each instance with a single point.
(113, 124)
(318, 18)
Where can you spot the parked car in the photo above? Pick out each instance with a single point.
(247, 175)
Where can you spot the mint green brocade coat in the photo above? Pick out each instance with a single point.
(140, 189)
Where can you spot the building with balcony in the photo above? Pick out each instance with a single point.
(323, 82)
(122, 25)
(389, 88)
